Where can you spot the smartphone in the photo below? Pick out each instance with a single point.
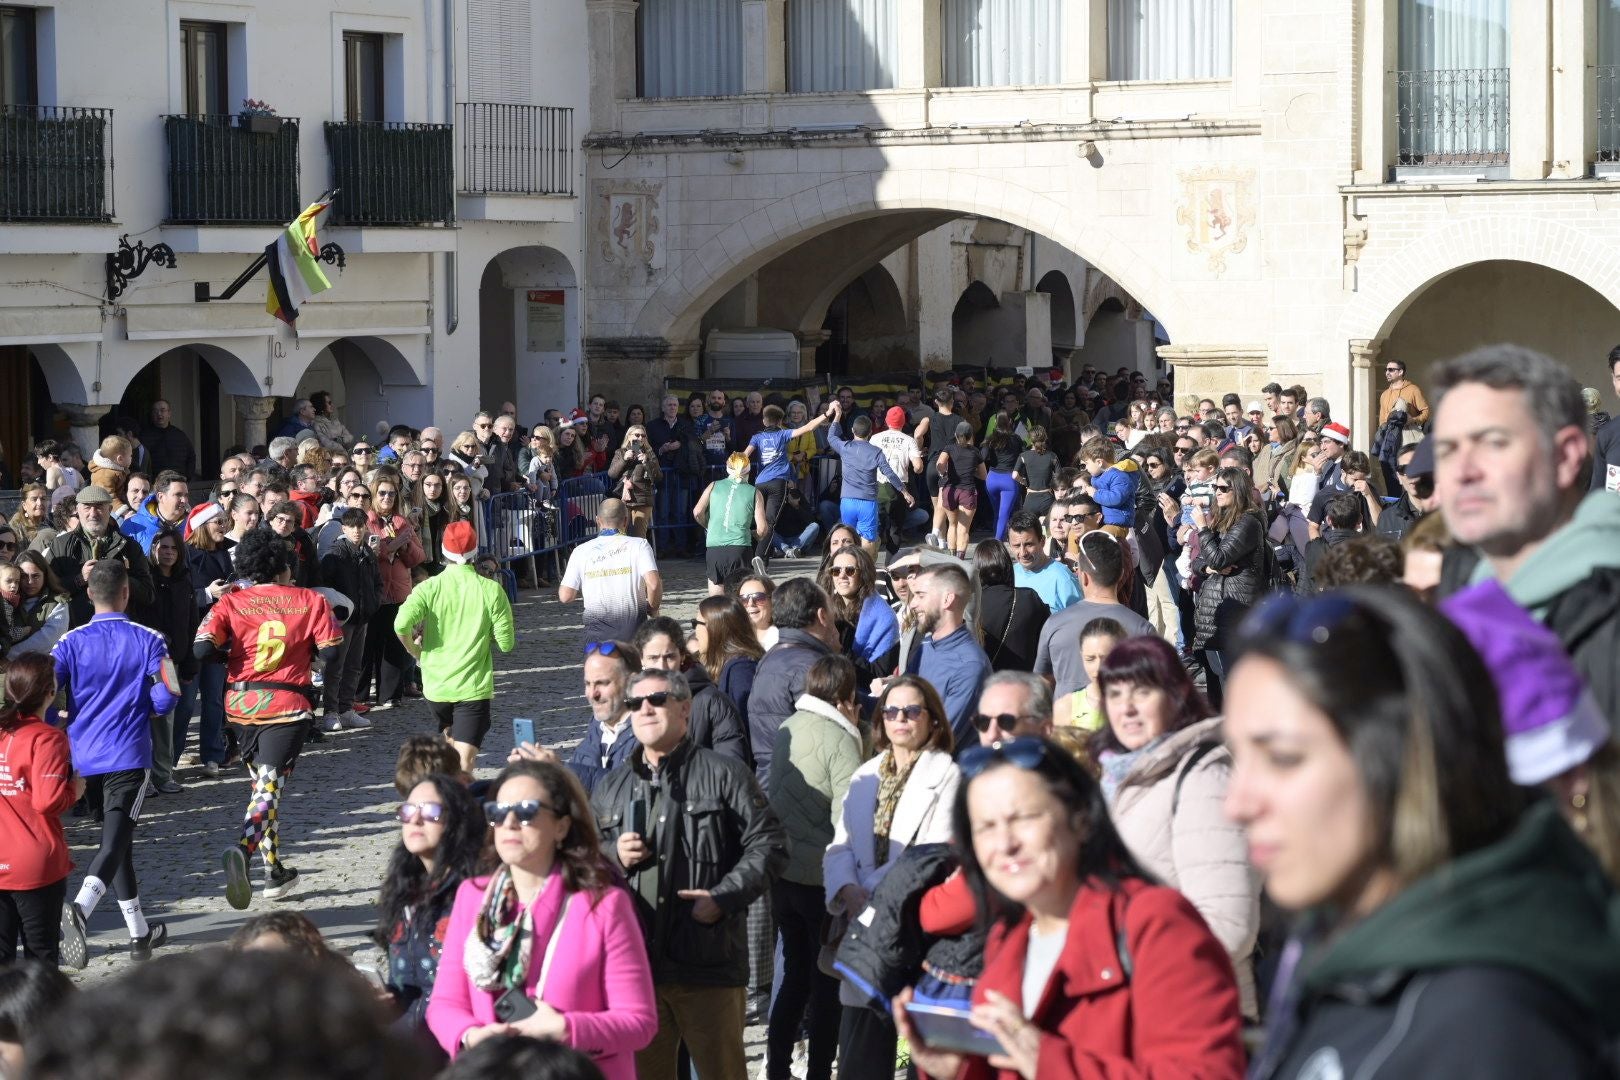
(514, 1005)
(635, 818)
(522, 731)
(951, 1029)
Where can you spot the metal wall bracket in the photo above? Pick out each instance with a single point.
(128, 263)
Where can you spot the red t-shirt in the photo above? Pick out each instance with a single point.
(36, 788)
(271, 633)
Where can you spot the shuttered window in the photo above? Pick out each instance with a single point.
(499, 33)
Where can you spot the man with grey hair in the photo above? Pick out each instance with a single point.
(301, 419)
(1011, 705)
(283, 452)
(617, 576)
(1318, 413)
(1512, 466)
(698, 842)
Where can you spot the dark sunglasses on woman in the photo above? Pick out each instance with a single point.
(525, 811)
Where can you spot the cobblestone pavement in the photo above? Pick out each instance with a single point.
(337, 827)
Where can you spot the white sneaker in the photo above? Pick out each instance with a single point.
(933, 540)
(759, 566)
(351, 720)
(331, 722)
(790, 553)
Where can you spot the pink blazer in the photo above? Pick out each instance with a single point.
(600, 979)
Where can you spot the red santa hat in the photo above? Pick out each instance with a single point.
(459, 542)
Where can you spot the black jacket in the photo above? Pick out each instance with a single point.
(717, 724)
(352, 571)
(1397, 518)
(883, 953)
(206, 568)
(173, 613)
(778, 682)
(721, 836)
(1011, 618)
(1317, 548)
(1224, 598)
(170, 448)
(68, 553)
(501, 460)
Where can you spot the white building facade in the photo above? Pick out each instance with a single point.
(1245, 190)
(450, 128)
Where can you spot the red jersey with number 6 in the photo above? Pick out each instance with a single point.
(271, 633)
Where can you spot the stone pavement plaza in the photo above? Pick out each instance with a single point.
(338, 825)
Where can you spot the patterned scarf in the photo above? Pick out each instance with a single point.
(497, 951)
(1117, 765)
(891, 783)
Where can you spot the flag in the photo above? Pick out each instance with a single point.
(295, 270)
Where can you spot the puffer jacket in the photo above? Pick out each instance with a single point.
(882, 955)
(1233, 568)
(778, 682)
(716, 723)
(593, 759)
(725, 839)
(1168, 811)
(817, 752)
(352, 571)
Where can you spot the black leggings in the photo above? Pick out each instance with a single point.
(34, 917)
(122, 794)
(806, 994)
(774, 491)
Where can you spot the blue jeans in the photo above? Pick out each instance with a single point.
(209, 687)
(803, 540)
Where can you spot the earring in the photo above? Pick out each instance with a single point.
(1578, 819)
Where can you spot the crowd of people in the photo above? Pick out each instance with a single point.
(1225, 749)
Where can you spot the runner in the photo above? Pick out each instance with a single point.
(268, 632)
(117, 675)
(460, 613)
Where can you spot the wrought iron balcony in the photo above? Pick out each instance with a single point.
(516, 149)
(1453, 117)
(224, 172)
(392, 174)
(56, 163)
(1608, 112)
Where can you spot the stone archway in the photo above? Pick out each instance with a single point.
(867, 328)
(202, 382)
(1055, 283)
(372, 380)
(977, 325)
(529, 319)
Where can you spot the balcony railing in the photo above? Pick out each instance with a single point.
(1608, 112)
(516, 149)
(392, 174)
(56, 163)
(1452, 118)
(223, 172)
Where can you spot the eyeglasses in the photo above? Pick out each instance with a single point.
(1390, 369)
(525, 811)
(1222, 487)
(483, 424)
(753, 597)
(656, 699)
(227, 493)
(910, 712)
(1026, 753)
(843, 571)
(412, 813)
(385, 493)
(359, 450)
(427, 447)
(1155, 465)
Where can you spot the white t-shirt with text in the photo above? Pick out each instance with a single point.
(606, 571)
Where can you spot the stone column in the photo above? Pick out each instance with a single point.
(611, 37)
(1530, 90)
(920, 58)
(1363, 392)
(1085, 52)
(809, 342)
(254, 411)
(764, 34)
(84, 421)
(1213, 370)
(1376, 152)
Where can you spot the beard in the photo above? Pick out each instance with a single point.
(926, 621)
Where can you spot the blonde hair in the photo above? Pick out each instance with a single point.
(737, 463)
(630, 433)
(114, 446)
(1204, 459)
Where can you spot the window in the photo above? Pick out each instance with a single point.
(202, 59)
(842, 44)
(690, 48)
(1452, 82)
(1002, 42)
(1608, 80)
(1168, 40)
(362, 77)
(18, 84)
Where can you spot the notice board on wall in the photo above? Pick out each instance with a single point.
(545, 322)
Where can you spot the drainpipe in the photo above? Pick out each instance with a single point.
(452, 304)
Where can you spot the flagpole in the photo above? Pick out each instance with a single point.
(201, 290)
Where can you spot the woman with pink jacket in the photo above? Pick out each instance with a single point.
(548, 946)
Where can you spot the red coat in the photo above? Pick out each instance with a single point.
(36, 788)
(396, 571)
(1177, 1015)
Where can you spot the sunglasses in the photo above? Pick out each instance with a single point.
(695, 623)
(753, 597)
(1222, 487)
(227, 493)
(1074, 518)
(353, 495)
(360, 451)
(1026, 753)
(1155, 464)
(1303, 622)
(1005, 721)
(1389, 369)
(604, 648)
(413, 812)
(843, 571)
(656, 699)
(910, 712)
(525, 811)
(428, 447)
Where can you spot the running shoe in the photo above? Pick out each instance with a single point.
(238, 889)
(282, 881)
(759, 566)
(141, 948)
(332, 721)
(352, 720)
(75, 946)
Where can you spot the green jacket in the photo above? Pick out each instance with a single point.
(1535, 901)
(817, 751)
(460, 614)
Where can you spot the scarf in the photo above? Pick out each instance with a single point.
(497, 951)
(891, 784)
(1117, 765)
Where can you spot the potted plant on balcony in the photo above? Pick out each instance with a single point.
(258, 117)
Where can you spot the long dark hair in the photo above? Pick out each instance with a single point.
(30, 683)
(461, 855)
(1103, 856)
(579, 857)
(730, 633)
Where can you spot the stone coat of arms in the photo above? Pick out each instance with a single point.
(1217, 211)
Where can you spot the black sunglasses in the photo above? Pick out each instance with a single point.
(1026, 753)
(911, 712)
(1222, 487)
(656, 699)
(525, 811)
(1005, 721)
(843, 571)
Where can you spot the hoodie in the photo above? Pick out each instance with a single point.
(1571, 584)
(1502, 963)
(1115, 489)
